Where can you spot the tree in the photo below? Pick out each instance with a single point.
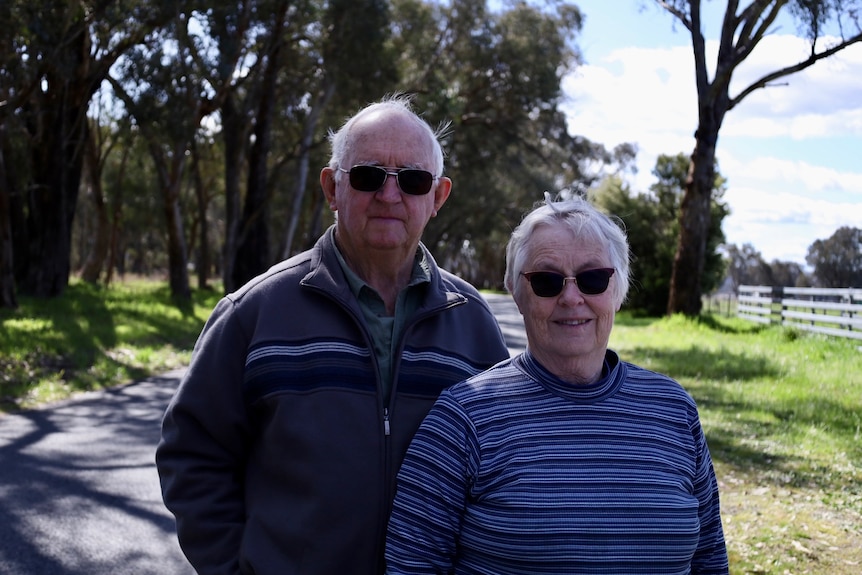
(100, 143)
(746, 266)
(788, 274)
(286, 68)
(8, 298)
(837, 261)
(167, 99)
(742, 30)
(652, 224)
(496, 77)
(60, 54)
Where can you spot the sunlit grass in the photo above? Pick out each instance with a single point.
(782, 410)
(94, 337)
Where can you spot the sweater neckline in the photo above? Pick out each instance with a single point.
(613, 375)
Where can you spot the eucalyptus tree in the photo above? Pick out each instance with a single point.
(496, 75)
(56, 55)
(651, 221)
(8, 297)
(746, 266)
(742, 29)
(288, 69)
(837, 260)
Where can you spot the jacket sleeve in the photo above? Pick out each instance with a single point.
(203, 446)
(710, 558)
(431, 492)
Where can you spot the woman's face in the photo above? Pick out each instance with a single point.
(567, 333)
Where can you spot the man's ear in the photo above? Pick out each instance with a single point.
(441, 192)
(327, 184)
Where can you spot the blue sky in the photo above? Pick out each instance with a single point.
(792, 154)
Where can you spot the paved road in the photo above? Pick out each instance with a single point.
(79, 492)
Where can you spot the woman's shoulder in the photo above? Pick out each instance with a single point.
(646, 381)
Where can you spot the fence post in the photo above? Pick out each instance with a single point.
(777, 308)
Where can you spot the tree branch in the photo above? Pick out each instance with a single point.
(677, 13)
(811, 60)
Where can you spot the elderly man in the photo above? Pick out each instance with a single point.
(280, 448)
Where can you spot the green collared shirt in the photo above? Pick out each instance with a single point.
(386, 330)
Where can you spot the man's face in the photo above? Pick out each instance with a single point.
(387, 220)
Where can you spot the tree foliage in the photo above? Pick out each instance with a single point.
(746, 266)
(56, 54)
(742, 29)
(216, 122)
(837, 260)
(652, 224)
(496, 75)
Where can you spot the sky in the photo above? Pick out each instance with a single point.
(791, 154)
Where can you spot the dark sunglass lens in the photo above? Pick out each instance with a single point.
(367, 178)
(415, 182)
(546, 284)
(592, 282)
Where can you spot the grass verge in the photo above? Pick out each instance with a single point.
(782, 410)
(94, 337)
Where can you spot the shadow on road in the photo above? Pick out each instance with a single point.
(79, 491)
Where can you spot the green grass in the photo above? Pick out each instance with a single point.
(782, 408)
(94, 337)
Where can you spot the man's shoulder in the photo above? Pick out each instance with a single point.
(458, 284)
(288, 272)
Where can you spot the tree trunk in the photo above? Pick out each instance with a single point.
(8, 298)
(113, 259)
(95, 262)
(170, 180)
(57, 162)
(253, 250)
(177, 257)
(233, 136)
(301, 184)
(694, 219)
(203, 265)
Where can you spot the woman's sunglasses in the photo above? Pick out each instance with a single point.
(371, 178)
(550, 284)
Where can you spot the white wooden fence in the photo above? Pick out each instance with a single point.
(830, 311)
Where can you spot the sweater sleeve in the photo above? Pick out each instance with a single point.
(432, 490)
(710, 558)
(203, 446)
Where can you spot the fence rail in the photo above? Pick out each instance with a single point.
(829, 311)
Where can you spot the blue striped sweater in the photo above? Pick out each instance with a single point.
(517, 472)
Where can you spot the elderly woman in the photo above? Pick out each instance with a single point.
(564, 459)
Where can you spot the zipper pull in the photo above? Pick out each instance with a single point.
(386, 421)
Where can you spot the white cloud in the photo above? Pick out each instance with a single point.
(782, 225)
(780, 204)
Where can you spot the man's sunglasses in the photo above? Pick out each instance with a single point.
(551, 284)
(371, 178)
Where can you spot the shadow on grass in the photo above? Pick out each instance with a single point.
(702, 363)
(82, 336)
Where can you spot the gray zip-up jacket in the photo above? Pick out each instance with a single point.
(278, 455)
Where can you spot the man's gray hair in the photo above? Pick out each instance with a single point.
(341, 140)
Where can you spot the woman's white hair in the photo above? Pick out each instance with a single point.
(586, 222)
